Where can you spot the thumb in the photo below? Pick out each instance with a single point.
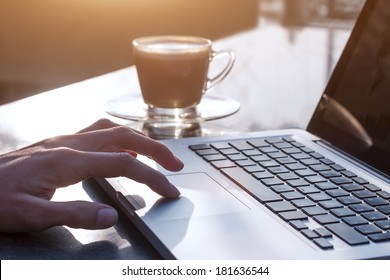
(81, 214)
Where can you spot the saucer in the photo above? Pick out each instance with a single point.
(202, 129)
(133, 108)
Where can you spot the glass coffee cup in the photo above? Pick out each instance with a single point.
(173, 76)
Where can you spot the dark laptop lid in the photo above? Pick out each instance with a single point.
(354, 112)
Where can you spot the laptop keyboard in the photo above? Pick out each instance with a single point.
(299, 184)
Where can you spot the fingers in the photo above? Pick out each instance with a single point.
(100, 124)
(75, 214)
(106, 136)
(81, 214)
(104, 124)
(76, 166)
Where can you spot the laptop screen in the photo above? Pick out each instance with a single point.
(354, 112)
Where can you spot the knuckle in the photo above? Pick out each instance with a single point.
(123, 131)
(104, 123)
(125, 161)
(54, 156)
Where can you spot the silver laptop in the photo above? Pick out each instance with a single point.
(290, 194)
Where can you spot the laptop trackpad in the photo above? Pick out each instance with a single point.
(200, 196)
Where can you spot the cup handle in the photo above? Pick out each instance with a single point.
(212, 82)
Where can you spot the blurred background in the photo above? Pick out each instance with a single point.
(46, 44)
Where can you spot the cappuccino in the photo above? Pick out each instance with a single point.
(172, 71)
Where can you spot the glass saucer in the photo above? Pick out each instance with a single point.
(133, 108)
(202, 129)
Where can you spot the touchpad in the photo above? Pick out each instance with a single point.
(200, 196)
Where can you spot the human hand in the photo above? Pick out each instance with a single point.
(30, 176)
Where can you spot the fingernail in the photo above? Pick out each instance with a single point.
(175, 191)
(179, 161)
(106, 217)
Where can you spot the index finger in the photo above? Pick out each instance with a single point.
(76, 166)
(118, 138)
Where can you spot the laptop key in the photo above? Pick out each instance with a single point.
(374, 216)
(272, 181)
(214, 157)
(347, 233)
(341, 180)
(273, 140)
(222, 164)
(326, 186)
(360, 180)
(320, 167)
(250, 184)
(342, 212)
(262, 175)
(323, 243)
(337, 167)
(348, 174)
(380, 237)
(268, 163)
(229, 151)
(236, 157)
(352, 187)
(253, 152)
(385, 209)
(368, 229)
(330, 174)
(330, 204)
(297, 183)
(363, 194)
(199, 147)
(326, 219)
(361, 207)
(337, 193)
(376, 201)
(301, 203)
(384, 194)
(383, 224)
(220, 145)
(305, 172)
(317, 155)
(293, 215)
(298, 225)
(315, 179)
(254, 168)
(308, 189)
(372, 187)
(281, 189)
(241, 145)
(313, 211)
(317, 197)
(278, 170)
(348, 200)
(257, 143)
(308, 233)
(286, 160)
(206, 152)
(292, 195)
(280, 206)
(355, 220)
(327, 161)
(287, 176)
(323, 232)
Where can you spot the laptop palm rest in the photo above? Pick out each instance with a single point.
(201, 196)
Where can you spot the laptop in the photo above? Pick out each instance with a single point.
(320, 193)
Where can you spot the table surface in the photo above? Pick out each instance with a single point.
(278, 78)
